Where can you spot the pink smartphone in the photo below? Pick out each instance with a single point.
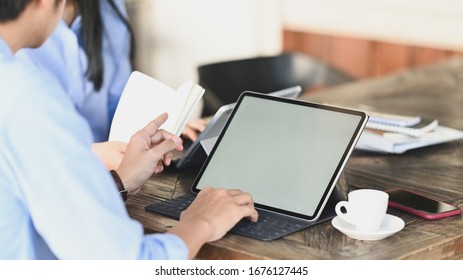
(421, 206)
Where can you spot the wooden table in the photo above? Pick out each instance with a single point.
(436, 171)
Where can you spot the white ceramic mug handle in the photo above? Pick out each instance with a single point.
(344, 216)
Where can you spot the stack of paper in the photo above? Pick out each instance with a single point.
(399, 134)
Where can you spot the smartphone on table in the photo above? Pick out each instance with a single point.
(421, 206)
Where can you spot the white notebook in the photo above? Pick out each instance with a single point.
(144, 98)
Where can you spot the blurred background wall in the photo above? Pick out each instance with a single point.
(174, 36)
(363, 37)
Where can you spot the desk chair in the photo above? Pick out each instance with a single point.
(225, 81)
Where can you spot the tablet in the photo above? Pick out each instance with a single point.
(287, 154)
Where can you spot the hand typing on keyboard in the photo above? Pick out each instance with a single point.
(211, 215)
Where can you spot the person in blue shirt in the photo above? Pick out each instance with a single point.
(90, 54)
(58, 200)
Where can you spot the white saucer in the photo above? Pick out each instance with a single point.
(390, 225)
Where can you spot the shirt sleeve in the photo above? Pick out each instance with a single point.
(116, 53)
(72, 200)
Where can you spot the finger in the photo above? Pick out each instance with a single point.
(244, 199)
(159, 167)
(165, 147)
(167, 159)
(161, 135)
(249, 212)
(234, 192)
(179, 148)
(152, 127)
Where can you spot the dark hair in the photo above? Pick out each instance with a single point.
(11, 9)
(92, 37)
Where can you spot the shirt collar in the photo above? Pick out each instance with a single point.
(5, 51)
(76, 25)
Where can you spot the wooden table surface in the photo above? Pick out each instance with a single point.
(437, 171)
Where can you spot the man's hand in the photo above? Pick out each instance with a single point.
(148, 151)
(211, 215)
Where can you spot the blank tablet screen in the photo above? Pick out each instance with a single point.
(287, 154)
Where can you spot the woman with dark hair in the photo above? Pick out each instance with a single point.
(90, 55)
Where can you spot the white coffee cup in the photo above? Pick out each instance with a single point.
(365, 209)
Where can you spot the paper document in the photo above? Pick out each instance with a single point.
(396, 143)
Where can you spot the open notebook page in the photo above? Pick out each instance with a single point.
(143, 99)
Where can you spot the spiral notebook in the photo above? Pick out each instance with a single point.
(416, 130)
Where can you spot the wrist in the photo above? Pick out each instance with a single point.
(120, 185)
(129, 181)
(194, 234)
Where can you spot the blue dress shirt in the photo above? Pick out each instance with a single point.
(57, 200)
(65, 59)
